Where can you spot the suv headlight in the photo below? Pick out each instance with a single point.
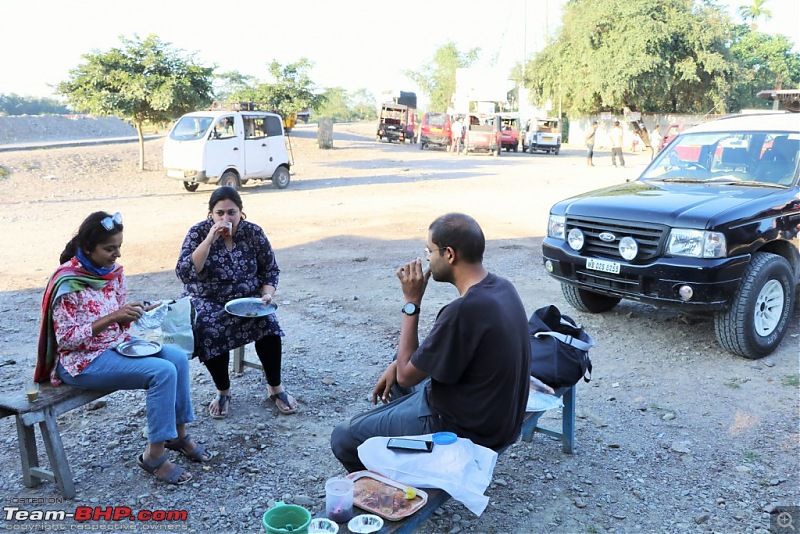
(556, 226)
(696, 243)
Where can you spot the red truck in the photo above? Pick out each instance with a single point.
(436, 130)
(483, 134)
(509, 135)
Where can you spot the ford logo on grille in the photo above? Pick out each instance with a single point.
(608, 237)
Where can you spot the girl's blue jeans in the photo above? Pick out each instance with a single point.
(165, 376)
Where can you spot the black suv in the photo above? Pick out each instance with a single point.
(711, 226)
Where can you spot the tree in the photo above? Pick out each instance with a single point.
(362, 103)
(344, 106)
(754, 12)
(230, 83)
(290, 91)
(762, 62)
(437, 79)
(637, 54)
(336, 105)
(14, 104)
(142, 81)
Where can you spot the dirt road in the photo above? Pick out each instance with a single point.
(674, 434)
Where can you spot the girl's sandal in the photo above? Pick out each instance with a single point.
(283, 401)
(222, 406)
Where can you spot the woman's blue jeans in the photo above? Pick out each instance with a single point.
(165, 376)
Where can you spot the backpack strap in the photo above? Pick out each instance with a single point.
(569, 340)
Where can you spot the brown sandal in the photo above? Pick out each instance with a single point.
(198, 454)
(173, 477)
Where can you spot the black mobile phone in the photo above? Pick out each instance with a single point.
(412, 445)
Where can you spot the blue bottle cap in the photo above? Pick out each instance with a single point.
(444, 438)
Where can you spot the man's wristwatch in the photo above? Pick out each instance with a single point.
(411, 309)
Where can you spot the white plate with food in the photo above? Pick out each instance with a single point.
(138, 348)
(250, 307)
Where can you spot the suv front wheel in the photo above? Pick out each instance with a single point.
(586, 301)
(758, 317)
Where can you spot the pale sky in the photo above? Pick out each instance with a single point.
(353, 43)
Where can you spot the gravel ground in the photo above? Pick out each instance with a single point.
(673, 433)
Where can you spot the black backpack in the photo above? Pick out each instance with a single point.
(559, 348)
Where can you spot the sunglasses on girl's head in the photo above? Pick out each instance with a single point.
(109, 222)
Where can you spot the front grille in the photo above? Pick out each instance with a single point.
(650, 237)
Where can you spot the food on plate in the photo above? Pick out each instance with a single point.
(367, 489)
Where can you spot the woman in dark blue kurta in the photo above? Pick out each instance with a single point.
(223, 258)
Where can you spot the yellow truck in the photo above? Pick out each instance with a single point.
(289, 121)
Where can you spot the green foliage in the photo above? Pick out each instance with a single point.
(342, 106)
(754, 12)
(682, 56)
(437, 79)
(751, 457)
(762, 62)
(143, 81)
(14, 104)
(4, 173)
(290, 91)
(643, 55)
(791, 381)
(230, 83)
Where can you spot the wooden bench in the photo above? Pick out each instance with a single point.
(239, 361)
(52, 402)
(437, 497)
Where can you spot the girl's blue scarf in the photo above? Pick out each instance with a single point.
(91, 267)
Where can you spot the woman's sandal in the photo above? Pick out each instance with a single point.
(222, 404)
(198, 454)
(284, 399)
(173, 477)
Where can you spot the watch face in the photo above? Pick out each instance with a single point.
(410, 308)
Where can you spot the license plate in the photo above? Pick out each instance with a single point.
(173, 173)
(604, 266)
(546, 138)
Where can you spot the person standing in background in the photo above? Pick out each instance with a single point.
(590, 144)
(457, 129)
(616, 145)
(655, 141)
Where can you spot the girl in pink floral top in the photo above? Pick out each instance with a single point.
(85, 316)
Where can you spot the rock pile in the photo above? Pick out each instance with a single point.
(18, 129)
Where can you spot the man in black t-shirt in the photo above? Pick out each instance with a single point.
(471, 371)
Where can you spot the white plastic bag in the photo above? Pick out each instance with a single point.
(176, 328)
(148, 326)
(462, 469)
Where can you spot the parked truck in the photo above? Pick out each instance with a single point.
(227, 147)
(396, 122)
(711, 227)
(483, 134)
(509, 136)
(543, 134)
